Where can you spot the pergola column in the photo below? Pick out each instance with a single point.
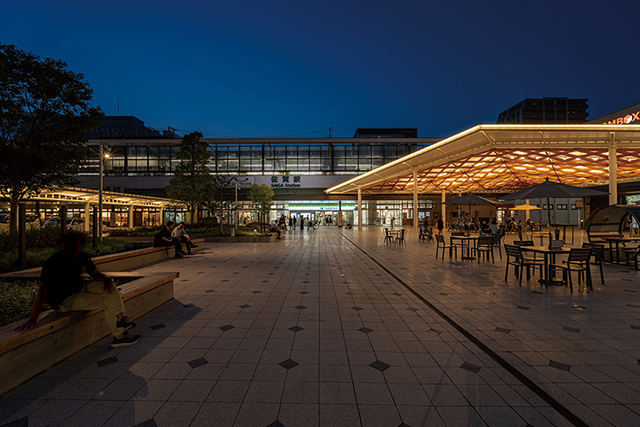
(87, 217)
(359, 209)
(613, 170)
(444, 208)
(415, 201)
(130, 221)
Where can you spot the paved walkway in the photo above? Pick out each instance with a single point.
(330, 327)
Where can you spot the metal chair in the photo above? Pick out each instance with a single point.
(485, 247)
(498, 239)
(388, 238)
(459, 243)
(631, 254)
(515, 258)
(400, 239)
(441, 244)
(598, 257)
(428, 232)
(578, 261)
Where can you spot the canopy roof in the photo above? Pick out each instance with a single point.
(506, 158)
(71, 195)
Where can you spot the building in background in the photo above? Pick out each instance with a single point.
(546, 111)
(142, 160)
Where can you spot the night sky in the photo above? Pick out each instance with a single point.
(277, 68)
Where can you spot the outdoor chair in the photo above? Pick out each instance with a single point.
(421, 235)
(598, 256)
(429, 234)
(631, 254)
(460, 242)
(519, 262)
(441, 244)
(578, 261)
(498, 240)
(388, 238)
(485, 247)
(400, 239)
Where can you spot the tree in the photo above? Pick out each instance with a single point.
(45, 114)
(220, 196)
(262, 197)
(192, 183)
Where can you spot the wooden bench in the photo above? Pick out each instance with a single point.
(59, 335)
(121, 261)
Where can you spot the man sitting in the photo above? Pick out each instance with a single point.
(163, 238)
(182, 236)
(63, 288)
(275, 229)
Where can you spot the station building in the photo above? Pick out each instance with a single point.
(298, 169)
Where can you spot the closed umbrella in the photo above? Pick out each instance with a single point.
(549, 190)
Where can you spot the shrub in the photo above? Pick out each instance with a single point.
(35, 257)
(35, 237)
(16, 299)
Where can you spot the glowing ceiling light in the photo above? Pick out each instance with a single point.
(595, 171)
(577, 153)
(568, 170)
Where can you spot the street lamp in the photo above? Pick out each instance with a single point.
(236, 206)
(103, 157)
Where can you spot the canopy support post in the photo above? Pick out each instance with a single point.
(415, 201)
(444, 208)
(359, 209)
(613, 170)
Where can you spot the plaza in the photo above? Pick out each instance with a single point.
(331, 327)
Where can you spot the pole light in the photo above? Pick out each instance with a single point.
(103, 157)
(236, 207)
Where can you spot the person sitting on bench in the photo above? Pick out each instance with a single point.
(64, 289)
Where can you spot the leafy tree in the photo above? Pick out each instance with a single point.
(262, 197)
(192, 183)
(45, 114)
(220, 196)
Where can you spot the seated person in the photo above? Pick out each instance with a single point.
(164, 238)
(275, 229)
(63, 288)
(494, 227)
(182, 236)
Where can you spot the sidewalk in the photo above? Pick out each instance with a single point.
(330, 327)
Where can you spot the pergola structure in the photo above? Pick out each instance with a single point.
(506, 158)
(87, 197)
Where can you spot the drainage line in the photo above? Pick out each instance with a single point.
(559, 407)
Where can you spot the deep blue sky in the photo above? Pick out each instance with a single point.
(250, 68)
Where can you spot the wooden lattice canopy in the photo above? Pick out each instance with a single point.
(506, 158)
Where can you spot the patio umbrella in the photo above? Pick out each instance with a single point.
(471, 199)
(524, 207)
(549, 190)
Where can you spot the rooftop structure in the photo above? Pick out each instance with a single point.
(546, 111)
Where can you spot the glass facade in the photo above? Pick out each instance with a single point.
(247, 158)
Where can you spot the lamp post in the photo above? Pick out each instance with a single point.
(103, 156)
(236, 207)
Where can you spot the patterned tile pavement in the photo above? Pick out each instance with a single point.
(331, 327)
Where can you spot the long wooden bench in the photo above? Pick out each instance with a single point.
(116, 262)
(60, 335)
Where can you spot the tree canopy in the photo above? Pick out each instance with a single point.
(192, 184)
(45, 114)
(262, 197)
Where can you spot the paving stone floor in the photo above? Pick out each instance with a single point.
(331, 327)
